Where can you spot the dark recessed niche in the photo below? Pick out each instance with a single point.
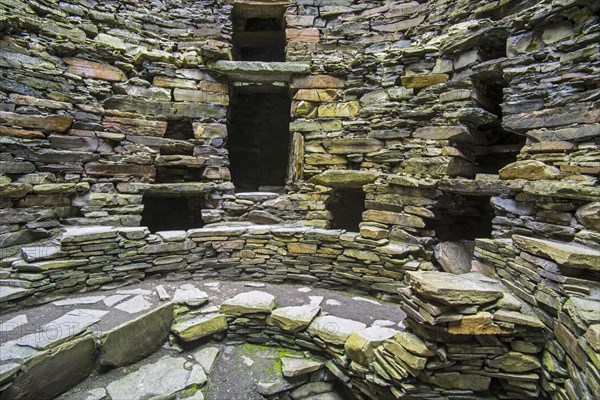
(259, 138)
(497, 147)
(166, 213)
(258, 33)
(346, 207)
(179, 130)
(461, 217)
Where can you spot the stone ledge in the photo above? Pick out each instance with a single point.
(259, 71)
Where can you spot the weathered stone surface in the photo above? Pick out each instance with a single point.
(62, 329)
(249, 303)
(259, 71)
(296, 366)
(293, 319)
(345, 179)
(190, 295)
(348, 146)
(136, 339)
(190, 329)
(450, 289)
(206, 357)
(164, 378)
(570, 255)
(421, 81)
(334, 330)
(360, 345)
(454, 257)
(515, 362)
(317, 82)
(478, 324)
(54, 371)
(517, 318)
(589, 215)
(393, 218)
(455, 380)
(51, 123)
(308, 35)
(456, 133)
(90, 69)
(530, 170)
(412, 343)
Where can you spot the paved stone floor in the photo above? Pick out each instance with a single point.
(241, 371)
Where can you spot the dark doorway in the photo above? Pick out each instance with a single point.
(259, 138)
(460, 217)
(258, 33)
(167, 213)
(346, 207)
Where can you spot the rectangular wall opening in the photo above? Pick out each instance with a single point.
(167, 213)
(258, 33)
(460, 217)
(497, 147)
(259, 138)
(346, 207)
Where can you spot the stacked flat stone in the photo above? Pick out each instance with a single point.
(558, 280)
(479, 338)
(103, 257)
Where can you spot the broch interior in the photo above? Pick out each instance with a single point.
(299, 199)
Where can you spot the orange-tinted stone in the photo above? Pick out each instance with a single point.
(90, 69)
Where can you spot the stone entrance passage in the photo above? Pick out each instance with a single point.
(258, 33)
(165, 213)
(259, 137)
(346, 207)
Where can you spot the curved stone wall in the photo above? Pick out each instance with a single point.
(472, 122)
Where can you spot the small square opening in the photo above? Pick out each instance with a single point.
(258, 33)
(460, 217)
(346, 207)
(167, 213)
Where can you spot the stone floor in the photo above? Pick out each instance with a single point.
(243, 371)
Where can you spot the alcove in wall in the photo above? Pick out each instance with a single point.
(167, 212)
(497, 147)
(460, 217)
(259, 137)
(258, 32)
(346, 207)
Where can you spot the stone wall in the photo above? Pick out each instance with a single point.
(469, 122)
(94, 258)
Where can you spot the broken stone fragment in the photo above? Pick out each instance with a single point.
(190, 295)
(293, 319)
(190, 329)
(333, 329)
(478, 324)
(531, 170)
(360, 345)
(454, 257)
(249, 303)
(296, 366)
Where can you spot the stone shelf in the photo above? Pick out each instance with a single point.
(259, 71)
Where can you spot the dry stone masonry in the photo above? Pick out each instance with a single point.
(441, 157)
